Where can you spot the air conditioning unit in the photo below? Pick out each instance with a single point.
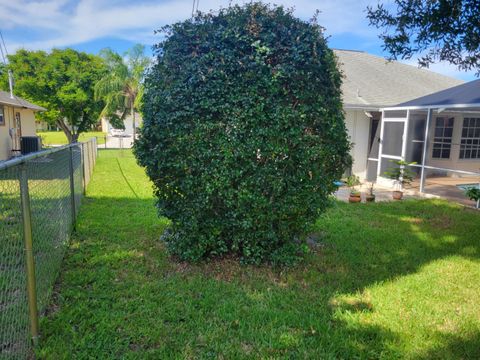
(30, 144)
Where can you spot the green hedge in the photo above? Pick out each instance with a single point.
(243, 132)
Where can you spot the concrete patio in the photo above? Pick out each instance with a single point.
(436, 188)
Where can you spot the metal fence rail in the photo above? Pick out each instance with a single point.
(40, 195)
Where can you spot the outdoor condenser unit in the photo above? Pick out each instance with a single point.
(30, 144)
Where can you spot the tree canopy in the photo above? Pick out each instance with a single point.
(122, 86)
(62, 81)
(435, 30)
(243, 132)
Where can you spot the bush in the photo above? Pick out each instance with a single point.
(243, 132)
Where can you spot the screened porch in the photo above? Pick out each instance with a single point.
(440, 135)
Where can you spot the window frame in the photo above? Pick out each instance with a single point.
(443, 142)
(472, 128)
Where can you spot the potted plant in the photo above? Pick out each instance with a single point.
(401, 175)
(355, 195)
(370, 196)
(473, 193)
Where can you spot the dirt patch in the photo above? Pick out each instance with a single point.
(443, 222)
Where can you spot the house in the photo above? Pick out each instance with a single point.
(17, 120)
(128, 123)
(370, 84)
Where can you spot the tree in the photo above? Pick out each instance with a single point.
(61, 81)
(243, 132)
(437, 30)
(121, 88)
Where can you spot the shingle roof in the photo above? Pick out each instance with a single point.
(467, 94)
(5, 99)
(372, 82)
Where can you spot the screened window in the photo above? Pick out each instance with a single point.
(2, 116)
(470, 141)
(442, 140)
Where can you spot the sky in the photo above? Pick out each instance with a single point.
(90, 25)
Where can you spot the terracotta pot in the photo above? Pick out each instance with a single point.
(355, 198)
(370, 198)
(397, 195)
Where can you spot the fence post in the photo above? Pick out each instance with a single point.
(29, 258)
(90, 143)
(82, 158)
(105, 141)
(72, 186)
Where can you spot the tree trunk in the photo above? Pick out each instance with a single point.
(70, 136)
(133, 121)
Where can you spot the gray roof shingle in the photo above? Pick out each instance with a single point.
(467, 94)
(5, 99)
(373, 82)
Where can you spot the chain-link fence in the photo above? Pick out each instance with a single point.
(40, 195)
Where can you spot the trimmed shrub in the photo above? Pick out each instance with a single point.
(243, 132)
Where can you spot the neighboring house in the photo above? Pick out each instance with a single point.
(372, 83)
(128, 123)
(17, 119)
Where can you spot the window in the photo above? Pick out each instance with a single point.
(442, 140)
(470, 142)
(2, 116)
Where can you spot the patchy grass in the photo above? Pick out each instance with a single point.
(59, 137)
(390, 280)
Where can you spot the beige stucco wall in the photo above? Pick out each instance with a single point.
(27, 118)
(358, 127)
(5, 141)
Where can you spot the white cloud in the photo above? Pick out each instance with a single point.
(37, 24)
(64, 24)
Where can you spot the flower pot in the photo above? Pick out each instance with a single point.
(355, 198)
(397, 195)
(370, 198)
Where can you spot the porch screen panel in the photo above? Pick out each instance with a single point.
(387, 165)
(415, 140)
(372, 170)
(395, 114)
(392, 138)
(374, 139)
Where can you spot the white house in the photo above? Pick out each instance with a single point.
(370, 84)
(128, 123)
(17, 120)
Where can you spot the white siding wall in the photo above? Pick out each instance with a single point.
(128, 122)
(358, 127)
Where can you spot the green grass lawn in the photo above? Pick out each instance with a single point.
(390, 280)
(59, 137)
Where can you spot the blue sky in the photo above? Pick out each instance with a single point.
(90, 25)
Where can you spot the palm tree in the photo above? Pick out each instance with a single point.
(122, 88)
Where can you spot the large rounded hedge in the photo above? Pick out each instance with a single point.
(243, 132)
